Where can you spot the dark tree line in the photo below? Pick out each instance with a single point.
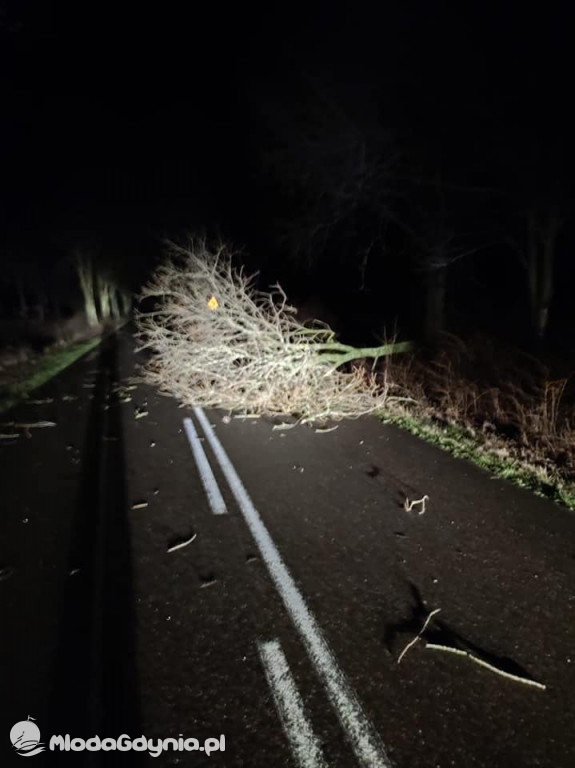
(353, 197)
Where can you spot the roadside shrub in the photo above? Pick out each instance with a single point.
(505, 399)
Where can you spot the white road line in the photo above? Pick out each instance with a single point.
(363, 737)
(209, 482)
(289, 704)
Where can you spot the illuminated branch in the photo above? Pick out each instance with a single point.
(218, 342)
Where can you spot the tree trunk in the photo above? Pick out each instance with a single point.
(104, 298)
(114, 306)
(86, 278)
(126, 300)
(541, 247)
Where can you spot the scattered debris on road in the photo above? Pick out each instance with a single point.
(208, 582)
(139, 414)
(27, 427)
(41, 402)
(182, 544)
(419, 634)
(323, 431)
(485, 664)
(119, 387)
(482, 662)
(140, 505)
(409, 505)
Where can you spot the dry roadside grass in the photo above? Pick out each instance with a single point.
(501, 407)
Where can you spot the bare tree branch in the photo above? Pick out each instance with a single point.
(218, 342)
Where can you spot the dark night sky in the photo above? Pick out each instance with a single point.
(126, 123)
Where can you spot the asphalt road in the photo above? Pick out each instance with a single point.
(172, 573)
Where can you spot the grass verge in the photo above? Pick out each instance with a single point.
(17, 383)
(496, 459)
(500, 408)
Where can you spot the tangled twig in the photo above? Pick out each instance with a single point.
(419, 634)
(408, 505)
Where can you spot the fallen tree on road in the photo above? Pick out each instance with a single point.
(217, 341)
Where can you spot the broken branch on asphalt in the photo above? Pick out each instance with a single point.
(409, 505)
(182, 544)
(466, 654)
(26, 427)
(418, 636)
(486, 665)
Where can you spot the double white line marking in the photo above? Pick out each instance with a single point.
(362, 736)
(306, 748)
(209, 482)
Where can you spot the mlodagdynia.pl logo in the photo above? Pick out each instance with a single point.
(25, 738)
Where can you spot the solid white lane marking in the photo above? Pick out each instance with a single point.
(289, 704)
(363, 737)
(209, 482)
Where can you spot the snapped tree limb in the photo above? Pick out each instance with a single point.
(218, 342)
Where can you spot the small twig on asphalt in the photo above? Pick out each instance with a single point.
(408, 505)
(328, 429)
(418, 636)
(27, 427)
(283, 425)
(482, 663)
(141, 414)
(9, 436)
(182, 544)
(140, 505)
